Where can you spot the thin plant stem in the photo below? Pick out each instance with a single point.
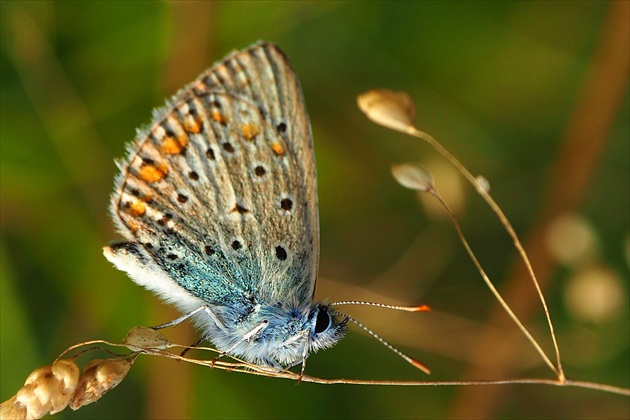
(241, 366)
(517, 243)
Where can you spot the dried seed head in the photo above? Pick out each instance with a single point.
(28, 397)
(394, 110)
(46, 390)
(12, 409)
(413, 176)
(99, 376)
(139, 338)
(66, 373)
(38, 391)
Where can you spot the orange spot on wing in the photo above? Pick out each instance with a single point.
(249, 131)
(133, 226)
(152, 173)
(277, 149)
(192, 126)
(183, 140)
(137, 209)
(170, 146)
(218, 117)
(174, 146)
(200, 86)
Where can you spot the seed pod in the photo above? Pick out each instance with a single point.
(99, 376)
(139, 338)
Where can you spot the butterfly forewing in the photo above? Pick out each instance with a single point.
(233, 153)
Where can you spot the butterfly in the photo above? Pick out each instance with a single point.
(217, 203)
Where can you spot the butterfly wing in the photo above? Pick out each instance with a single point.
(217, 198)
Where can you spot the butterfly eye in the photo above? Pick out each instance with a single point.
(323, 321)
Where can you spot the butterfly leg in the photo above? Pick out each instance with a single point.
(304, 354)
(246, 337)
(294, 338)
(195, 344)
(184, 317)
(178, 320)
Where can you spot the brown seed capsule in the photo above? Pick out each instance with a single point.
(12, 409)
(394, 110)
(99, 376)
(39, 389)
(413, 176)
(139, 338)
(66, 373)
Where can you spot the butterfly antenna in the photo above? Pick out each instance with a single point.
(419, 308)
(416, 363)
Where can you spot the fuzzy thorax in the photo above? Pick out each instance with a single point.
(271, 335)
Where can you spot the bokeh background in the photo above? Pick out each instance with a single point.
(533, 95)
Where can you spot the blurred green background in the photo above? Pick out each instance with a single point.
(505, 86)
